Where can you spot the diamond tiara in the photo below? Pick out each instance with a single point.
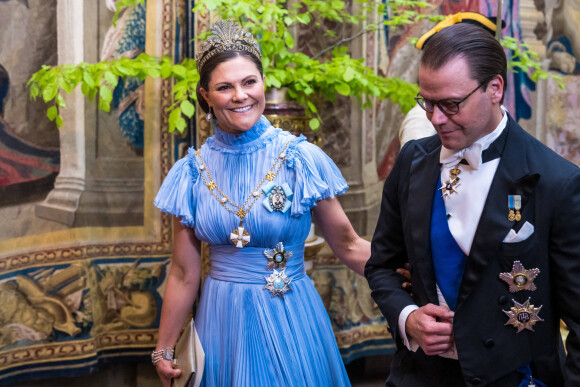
(226, 35)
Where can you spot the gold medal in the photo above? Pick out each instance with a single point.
(520, 278)
(514, 206)
(523, 316)
(452, 183)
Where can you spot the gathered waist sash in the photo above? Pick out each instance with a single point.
(248, 264)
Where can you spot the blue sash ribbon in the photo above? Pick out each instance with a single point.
(448, 258)
(527, 371)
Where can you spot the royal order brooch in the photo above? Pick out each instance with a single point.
(278, 197)
(278, 283)
(520, 278)
(523, 316)
(277, 257)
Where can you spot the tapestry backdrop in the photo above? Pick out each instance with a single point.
(551, 29)
(84, 256)
(78, 292)
(29, 143)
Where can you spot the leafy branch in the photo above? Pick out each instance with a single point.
(309, 80)
(405, 12)
(123, 4)
(527, 61)
(101, 79)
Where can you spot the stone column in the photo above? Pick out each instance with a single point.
(362, 201)
(62, 202)
(101, 177)
(348, 132)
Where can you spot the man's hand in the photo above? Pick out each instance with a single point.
(166, 372)
(431, 328)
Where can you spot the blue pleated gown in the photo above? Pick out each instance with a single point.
(251, 338)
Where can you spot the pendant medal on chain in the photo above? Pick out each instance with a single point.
(240, 236)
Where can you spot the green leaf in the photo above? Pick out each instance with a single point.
(173, 117)
(51, 113)
(179, 70)
(153, 73)
(348, 75)
(289, 40)
(49, 92)
(166, 70)
(187, 108)
(34, 90)
(88, 79)
(58, 121)
(122, 69)
(85, 89)
(274, 81)
(314, 124)
(60, 101)
(111, 79)
(105, 94)
(104, 106)
(304, 18)
(181, 124)
(337, 4)
(342, 88)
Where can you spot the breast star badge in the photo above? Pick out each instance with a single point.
(523, 316)
(277, 256)
(278, 283)
(520, 278)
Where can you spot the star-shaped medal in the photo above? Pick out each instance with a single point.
(520, 278)
(277, 256)
(523, 316)
(278, 283)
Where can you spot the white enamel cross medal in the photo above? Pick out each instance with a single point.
(240, 237)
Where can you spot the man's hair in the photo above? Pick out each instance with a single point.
(483, 54)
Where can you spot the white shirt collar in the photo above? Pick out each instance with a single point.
(473, 152)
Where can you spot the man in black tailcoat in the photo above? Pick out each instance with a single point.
(488, 219)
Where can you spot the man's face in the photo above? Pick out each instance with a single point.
(478, 115)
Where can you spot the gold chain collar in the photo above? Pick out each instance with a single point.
(239, 237)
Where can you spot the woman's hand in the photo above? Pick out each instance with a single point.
(166, 372)
(407, 274)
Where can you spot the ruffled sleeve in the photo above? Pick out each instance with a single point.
(176, 195)
(317, 177)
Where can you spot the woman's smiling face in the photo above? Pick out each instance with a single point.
(236, 94)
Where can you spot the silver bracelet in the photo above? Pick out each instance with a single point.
(162, 354)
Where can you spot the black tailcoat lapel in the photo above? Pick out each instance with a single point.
(424, 172)
(512, 177)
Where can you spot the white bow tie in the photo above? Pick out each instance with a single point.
(472, 154)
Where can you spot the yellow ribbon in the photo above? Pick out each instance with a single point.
(454, 19)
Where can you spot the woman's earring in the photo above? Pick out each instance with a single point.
(208, 117)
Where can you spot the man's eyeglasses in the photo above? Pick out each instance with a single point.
(447, 106)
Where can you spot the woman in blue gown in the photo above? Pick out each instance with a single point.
(249, 192)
